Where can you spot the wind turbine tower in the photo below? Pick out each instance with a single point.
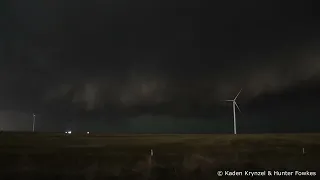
(234, 104)
(34, 122)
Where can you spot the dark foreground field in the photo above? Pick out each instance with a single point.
(78, 156)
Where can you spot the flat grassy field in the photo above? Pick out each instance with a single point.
(175, 156)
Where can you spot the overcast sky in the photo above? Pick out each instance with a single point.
(132, 63)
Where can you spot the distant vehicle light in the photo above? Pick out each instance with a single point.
(88, 132)
(68, 132)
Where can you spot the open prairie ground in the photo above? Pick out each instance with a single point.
(175, 156)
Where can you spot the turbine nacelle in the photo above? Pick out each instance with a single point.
(235, 103)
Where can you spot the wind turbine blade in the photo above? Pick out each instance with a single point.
(238, 94)
(229, 100)
(237, 106)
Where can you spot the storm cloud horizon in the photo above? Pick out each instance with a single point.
(131, 56)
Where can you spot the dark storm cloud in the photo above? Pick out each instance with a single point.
(138, 54)
(11, 120)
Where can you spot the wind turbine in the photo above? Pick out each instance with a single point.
(234, 104)
(33, 122)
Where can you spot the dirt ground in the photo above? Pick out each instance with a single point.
(175, 156)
